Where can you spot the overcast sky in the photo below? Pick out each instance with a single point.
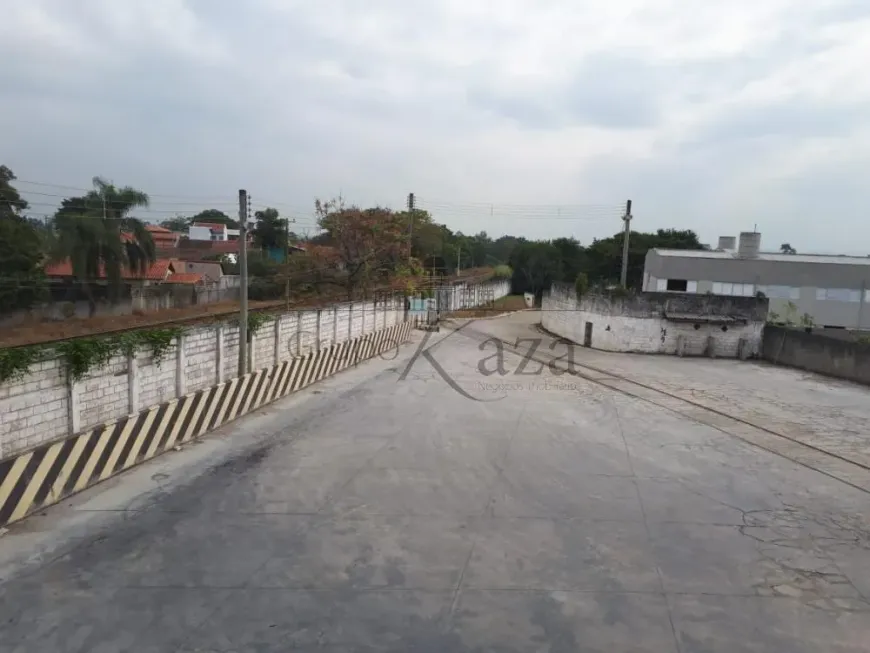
(536, 117)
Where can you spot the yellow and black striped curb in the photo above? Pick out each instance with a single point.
(45, 475)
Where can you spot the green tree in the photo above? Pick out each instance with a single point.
(178, 223)
(572, 257)
(216, 217)
(536, 266)
(786, 248)
(96, 234)
(581, 284)
(604, 257)
(22, 281)
(270, 232)
(368, 243)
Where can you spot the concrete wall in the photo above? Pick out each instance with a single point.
(657, 323)
(43, 406)
(38, 477)
(458, 296)
(817, 352)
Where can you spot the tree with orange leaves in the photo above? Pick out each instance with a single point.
(367, 243)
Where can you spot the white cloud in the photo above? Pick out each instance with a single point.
(713, 117)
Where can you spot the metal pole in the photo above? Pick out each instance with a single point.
(287, 264)
(410, 225)
(243, 271)
(627, 219)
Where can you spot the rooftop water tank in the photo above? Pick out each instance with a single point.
(727, 243)
(750, 244)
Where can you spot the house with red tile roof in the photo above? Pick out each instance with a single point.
(163, 237)
(189, 278)
(158, 272)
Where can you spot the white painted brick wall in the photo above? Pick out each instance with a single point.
(327, 326)
(263, 349)
(357, 323)
(308, 331)
(200, 347)
(35, 409)
(156, 380)
(231, 351)
(369, 312)
(288, 328)
(645, 335)
(343, 315)
(103, 394)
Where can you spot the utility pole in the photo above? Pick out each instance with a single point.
(627, 219)
(287, 261)
(410, 225)
(458, 259)
(243, 271)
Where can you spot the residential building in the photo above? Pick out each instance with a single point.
(822, 290)
(202, 250)
(163, 237)
(212, 231)
(211, 271)
(158, 272)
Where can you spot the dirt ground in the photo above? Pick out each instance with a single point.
(503, 305)
(47, 331)
(44, 331)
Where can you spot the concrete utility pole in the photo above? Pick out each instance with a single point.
(243, 271)
(458, 259)
(287, 222)
(410, 225)
(627, 219)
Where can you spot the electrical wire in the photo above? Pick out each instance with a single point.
(202, 199)
(486, 205)
(584, 213)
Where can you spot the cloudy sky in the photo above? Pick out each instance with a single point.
(536, 117)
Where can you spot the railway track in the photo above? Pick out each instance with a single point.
(270, 306)
(829, 463)
(204, 318)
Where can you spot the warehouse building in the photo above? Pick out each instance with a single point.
(822, 290)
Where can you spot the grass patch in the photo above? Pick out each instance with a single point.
(503, 305)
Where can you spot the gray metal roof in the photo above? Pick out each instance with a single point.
(766, 256)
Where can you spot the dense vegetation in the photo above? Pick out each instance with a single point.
(357, 251)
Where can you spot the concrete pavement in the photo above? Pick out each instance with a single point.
(386, 510)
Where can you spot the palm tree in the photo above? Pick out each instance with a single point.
(97, 235)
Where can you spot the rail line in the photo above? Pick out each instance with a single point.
(803, 454)
(266, 306)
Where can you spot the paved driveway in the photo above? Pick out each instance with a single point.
(439, 508)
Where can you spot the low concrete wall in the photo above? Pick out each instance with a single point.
(658, 323)
(44, 405)
(34, 479)
(817, 352)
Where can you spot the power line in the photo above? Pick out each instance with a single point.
(110, 201)
(202, 198)
(567, 212)
(142, 209)
(487, 205)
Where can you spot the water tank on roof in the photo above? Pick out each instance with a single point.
(750, 244)
(727, 243)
